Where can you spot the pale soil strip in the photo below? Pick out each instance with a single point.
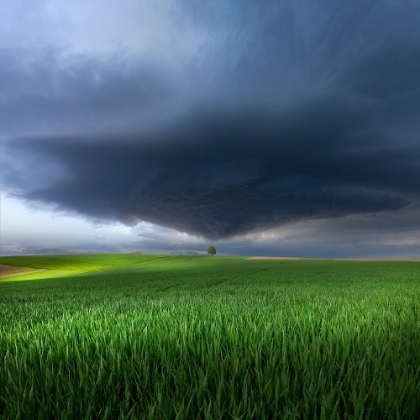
(10, 270)
(336, 259)
(275, 258)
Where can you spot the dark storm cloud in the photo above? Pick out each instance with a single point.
(78, 93)
(287, 111)
(247, 171)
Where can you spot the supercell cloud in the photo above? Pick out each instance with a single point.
(218, 118)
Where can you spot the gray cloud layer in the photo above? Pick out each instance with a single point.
(280, 112)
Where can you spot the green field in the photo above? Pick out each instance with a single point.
(175, 337)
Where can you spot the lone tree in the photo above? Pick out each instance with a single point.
(211, 251)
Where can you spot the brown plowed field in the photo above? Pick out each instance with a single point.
(10, 270)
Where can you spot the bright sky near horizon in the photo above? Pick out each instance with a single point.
(263, 128)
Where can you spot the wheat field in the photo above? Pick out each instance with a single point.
(178, 337)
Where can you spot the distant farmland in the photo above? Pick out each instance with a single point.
(165, 337)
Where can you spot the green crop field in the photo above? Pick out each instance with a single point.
(176, 337)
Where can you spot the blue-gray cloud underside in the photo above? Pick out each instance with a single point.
(220, 175)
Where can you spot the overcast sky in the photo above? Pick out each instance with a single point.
(261, 127)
